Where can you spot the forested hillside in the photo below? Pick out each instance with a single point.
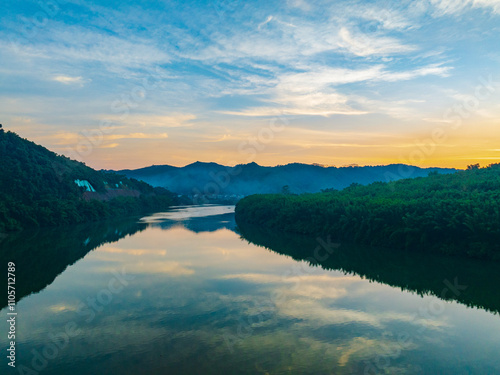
(454, 214)
(37, 188)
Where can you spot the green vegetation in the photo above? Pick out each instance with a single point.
(37, 188)
(452, 214)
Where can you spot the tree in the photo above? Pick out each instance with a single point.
(285, 190)
(446, 213)
(473, 166)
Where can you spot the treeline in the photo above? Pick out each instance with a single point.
(37, 188)
(453, 214)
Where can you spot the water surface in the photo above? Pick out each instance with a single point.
(182, 293)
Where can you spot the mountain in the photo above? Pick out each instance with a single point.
(213, 179)
(41, 188)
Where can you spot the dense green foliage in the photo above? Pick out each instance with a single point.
(37, 188)
(454, 214)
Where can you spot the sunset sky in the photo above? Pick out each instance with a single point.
(127, 84)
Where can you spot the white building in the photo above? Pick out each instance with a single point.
(85, 184)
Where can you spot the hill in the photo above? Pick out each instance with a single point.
(41, 188)
(452, 214)
(212, 180)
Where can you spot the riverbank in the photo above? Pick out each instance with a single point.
(455, 214)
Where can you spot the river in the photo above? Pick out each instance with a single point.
(187, 292)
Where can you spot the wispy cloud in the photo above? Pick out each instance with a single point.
(268, 19)
(453, 7)
(173, 120)
(361, 44)
(83, 45)
(71, 139)
(69, 80)
(314, 92)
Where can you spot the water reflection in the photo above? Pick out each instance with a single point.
(41, 255)
(206, 219)
(468, 281)
(196, 299)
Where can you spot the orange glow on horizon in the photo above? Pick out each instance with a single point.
(456, 149)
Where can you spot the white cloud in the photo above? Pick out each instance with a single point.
(294, 41)
(366, 45)
(325, 109)
(301, 4)
(494, 4)
(81, 45)
(435, 69)
(315, 92)
(385, 18)
(318, 78)
(269, 19)
(67, 80)
(459, 6)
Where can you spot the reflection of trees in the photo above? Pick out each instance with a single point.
(42, 255)
(200, 224)
(415, 272)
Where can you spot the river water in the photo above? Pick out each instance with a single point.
(187, 292)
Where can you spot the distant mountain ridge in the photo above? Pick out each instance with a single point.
(246, 179)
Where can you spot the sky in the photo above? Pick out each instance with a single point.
(127, 84)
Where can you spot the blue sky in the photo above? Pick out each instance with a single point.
(122, 84)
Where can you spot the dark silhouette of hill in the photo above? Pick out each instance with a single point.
(247, 179)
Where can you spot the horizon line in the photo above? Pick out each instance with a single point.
(354, 165)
